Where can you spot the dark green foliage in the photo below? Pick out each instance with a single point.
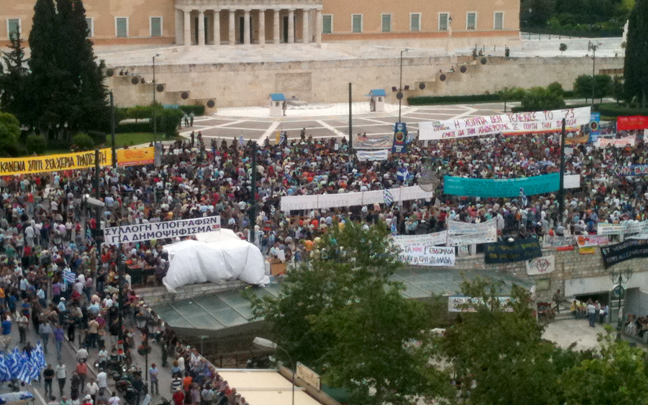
(13, 82)
(196, 109)
(83, 141)
(615, 110)
(144, 126)
(602, 86)
(168, 121)
(541, 99)
(591, 18)
(475, 98)
(36, 144)
(636, 55)
(9, 134)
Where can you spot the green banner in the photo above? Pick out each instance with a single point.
(488, 188)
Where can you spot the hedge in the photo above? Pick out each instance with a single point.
(196, 109)
(614, 110)
(144, 126)
(425, 100)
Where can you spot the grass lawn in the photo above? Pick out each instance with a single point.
(136, 138)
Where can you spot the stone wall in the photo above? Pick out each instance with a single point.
(249, 84)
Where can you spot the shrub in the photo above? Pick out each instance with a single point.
(144, 126)
(36, 144)
(427, 100)
(614, 110)
(83, 141)
(196, 109)
(169, 121)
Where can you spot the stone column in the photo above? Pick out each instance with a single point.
(262, 27)
(217, 27)
(318, 27)
(187, 28)
(246, 27)
(178, 23)
(305, 30)
(275, 27)
(201, 27)
(232, 26)
(291, 26)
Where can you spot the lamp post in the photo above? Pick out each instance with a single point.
(154, 117)
(142, 321)
(268, 344)
(112, 128)
(561, 189)
(591, 46)
(618, 292)
(399, 95)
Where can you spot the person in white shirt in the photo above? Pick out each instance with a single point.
(114, 400)
(102, 381)
(92, 389)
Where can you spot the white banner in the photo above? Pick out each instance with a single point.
(473, 238)
(423, 255)
(464, 228)
(470, 304)
(160, 230)
(541, 265)
(509, 124)
(319, 201)
(372, 155)
(625, 228)
(430, 239)
(617, 143)
(572, 180)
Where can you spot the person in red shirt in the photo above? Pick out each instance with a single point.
(178, 397)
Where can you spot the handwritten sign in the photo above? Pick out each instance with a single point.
(510, 124)
(420, 250)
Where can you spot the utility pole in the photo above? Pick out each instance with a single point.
(350, 119)
(252, 209)
(154, 114)
(561, 190)
(399, 95)
(112, 130)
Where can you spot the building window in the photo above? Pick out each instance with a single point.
(386, 23)
(13, 27)
(156, 26)
(415, 22)
(356, 22)
(90, 24)
(499, 20)
(471, 21)
(443, 21)
(327, 23)
(121, 27)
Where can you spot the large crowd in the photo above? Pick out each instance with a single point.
(47, 230)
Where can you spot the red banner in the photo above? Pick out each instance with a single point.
(632, 122)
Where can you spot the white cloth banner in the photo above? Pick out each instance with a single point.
(617, 143)
(430, 239)
(464, 228)
(424, 255)
(541, 265)
(509, 124)
(372, 155)
(318, 201)
(160, 230)
(572, 180)
(624, 228)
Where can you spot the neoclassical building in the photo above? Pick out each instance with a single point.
(233, 22)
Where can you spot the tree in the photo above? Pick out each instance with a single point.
(500, 349)
(563, 47)
(13, 82)
(340, 314)
(602, 86)
(542, 98)
(583, 86)
(618, 376)
(617, 91)
(9, 134)
(636, 54)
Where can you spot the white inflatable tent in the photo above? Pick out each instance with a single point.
(216, 257)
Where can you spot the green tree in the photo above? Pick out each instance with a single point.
(499, 348)
(36, 144)
(583, 86)
(562, 48)
(9, 134)
(342, 315)
(618, 376)
(636, 54)
(617, 91)
(13, 82)
(602, 86)
(82, 141)
(542, 98)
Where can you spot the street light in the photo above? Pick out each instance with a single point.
(268, 344)
(591, 46)
(142, 321)
(399, 95)
(618, 292)
(154, 117)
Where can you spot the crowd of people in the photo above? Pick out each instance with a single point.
(48, 232)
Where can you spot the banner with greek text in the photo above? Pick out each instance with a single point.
(558, 241)
(634, 170)
(430, 239)
(507, 252)
(136, 156)
(629, 249)
(616, 143)
(508, 124)
(372, 155)
(419, 250)
(625, 228)
(160, 230)
(54, 163)
(632, 122)
(488, 188)
(541, 265)
(373, 142)
(463, 234)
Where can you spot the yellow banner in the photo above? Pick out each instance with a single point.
(53, 163)
(136, 156)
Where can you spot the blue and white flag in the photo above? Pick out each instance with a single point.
(241, 141)
(283, 138)
(5, 374)
(69, 276)
(394, 231)
(388, 197)
(402, 174)
(38, 356)
(13, 360)
(523, 197)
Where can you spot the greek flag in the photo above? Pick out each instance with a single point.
(283, 138)
(14, 361)
(5, 374)
(388, 197)
(25, 372)
(69, 276)
(394, 231)
(38, 356)
(241, 141)
(523, 197)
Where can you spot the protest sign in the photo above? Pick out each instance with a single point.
(136, 156)
(420, 250)
(160, 230)
(595, 127)
(632, 122)
(508, 124)
(629, 249)
(576, 140)
(625, 228)
(463, 228)
(590, 250)
(400, 138)
(54, 163)
(591, 240)
(470, 304)
(634, 170)
(372, 155)
(558, 241)
(462, 233)
(488, 188)
(616, 143)
(541, 265)
(517, 251)
(319, 201)
(430, 239)
(373, 142)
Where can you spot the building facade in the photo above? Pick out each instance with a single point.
(232, 22)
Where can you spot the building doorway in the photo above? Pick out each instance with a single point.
(285, 30)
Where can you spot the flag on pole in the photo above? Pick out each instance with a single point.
(388, 197)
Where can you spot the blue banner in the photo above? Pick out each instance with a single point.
(488, 188)
(634, 170)
(400, 138)
(595, 126)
